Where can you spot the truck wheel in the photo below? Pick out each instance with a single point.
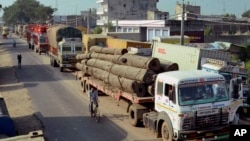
(87, 86)
(61, 69)
(83, 83)
(133, 116)
(39, 52)
(166, 132)
(51, 63)
(54, 63)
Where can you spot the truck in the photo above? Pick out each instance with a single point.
(65, 43)
(5, 31)
(184, 105)
(90, 40)
(171, 39)
(40, 38)
(172, 117)
(230, 71)
(29, 36)
(192, 58)
(123, 43)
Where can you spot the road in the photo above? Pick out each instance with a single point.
(63, 108)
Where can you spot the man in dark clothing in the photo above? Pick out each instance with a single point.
(19, 58)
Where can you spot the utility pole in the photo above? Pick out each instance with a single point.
(182, 23)
(88, 21)
(76, 15)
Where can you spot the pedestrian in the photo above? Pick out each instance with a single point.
(14, 43)
(93, 97)
(19, 59)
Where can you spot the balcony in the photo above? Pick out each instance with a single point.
(101, 11)
(101, 1)
(101, 22)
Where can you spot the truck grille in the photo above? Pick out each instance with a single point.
(205, 121)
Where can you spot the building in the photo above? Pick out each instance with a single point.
(124, 10)
(190, 11)
(89, 18)
(157, 15)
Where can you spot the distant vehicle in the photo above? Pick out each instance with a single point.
(65, 43)
(40, 38)
(5, 31)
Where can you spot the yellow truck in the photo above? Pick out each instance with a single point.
(123, 43)
(94, 39)
(172, 39)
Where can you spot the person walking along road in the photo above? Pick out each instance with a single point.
(19, 58)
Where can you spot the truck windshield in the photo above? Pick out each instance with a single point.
(200, 93)
(42, 39)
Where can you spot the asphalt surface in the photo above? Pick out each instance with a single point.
(63, 108)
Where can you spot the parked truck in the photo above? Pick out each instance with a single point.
(5, 31)
(175, 118)
(230, 71)
(192, 58)
(29, 36)
(184, 105)
(65, 43)
(40, 38)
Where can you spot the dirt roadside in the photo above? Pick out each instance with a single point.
(16, 97)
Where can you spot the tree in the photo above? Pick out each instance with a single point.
(246, 14)
(26, 11)
(97, 30)
(229, 17)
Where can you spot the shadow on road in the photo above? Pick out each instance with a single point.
(82, 128)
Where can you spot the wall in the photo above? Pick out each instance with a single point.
(129, 36)
(239, 39)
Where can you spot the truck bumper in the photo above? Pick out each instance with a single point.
(214, 133)
(67, 65)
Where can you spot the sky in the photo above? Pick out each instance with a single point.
(208, 7)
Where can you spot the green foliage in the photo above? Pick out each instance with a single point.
(26, 11)
(97, 30)
(208, 30)
(229, 17)
(246, 14)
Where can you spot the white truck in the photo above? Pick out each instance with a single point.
(229, 71)
(186, 105)
(65, 43)
(193, 58)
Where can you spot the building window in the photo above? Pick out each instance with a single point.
(165, 33)
(124, 30)
(130, 30)
(150, 34)
(157, 32)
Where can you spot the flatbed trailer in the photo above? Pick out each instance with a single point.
(87, 80)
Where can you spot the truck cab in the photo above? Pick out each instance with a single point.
(230, 72)
(68, 48)
(192, 105)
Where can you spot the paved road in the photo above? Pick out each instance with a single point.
(62, 107)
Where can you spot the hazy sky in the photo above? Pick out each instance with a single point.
(208, 7)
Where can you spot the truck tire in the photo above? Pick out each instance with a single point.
(133, 116)
(83, 83)
(61, 69)
(87, 86)
(51, 63)
(166, 131)
(54, 63)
